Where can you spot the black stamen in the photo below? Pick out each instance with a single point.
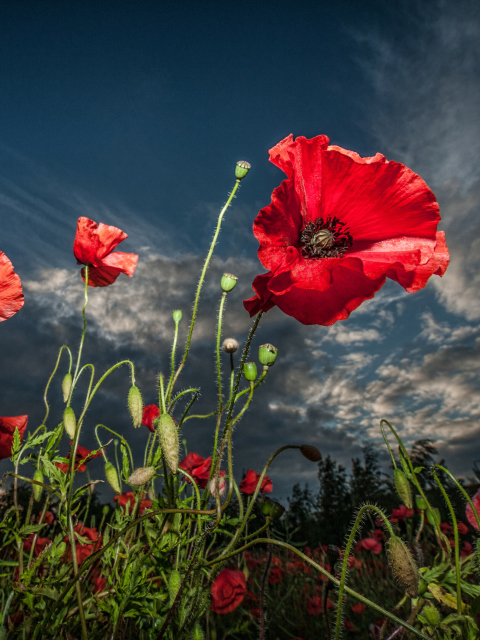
(325, 239)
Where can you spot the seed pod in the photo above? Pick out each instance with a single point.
(174, 583)
(112, 477)
(228, 282)
(241, 169)
(431, 615)
(177, 316)
(37, 489)
(310, 452)
(135, 405)
(70, 422)
(197, 633)
(67, 386)
(141, 476)
(402, 486)
(250, 371)
(403, 566)
(277, 510)
(267, 354)
(230, 345)
(168, 434)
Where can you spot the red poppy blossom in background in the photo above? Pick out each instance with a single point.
(462, 528)
(369, 544)
(122, 499)
(337, 227)
(228, 590)
(94, 538)
(11, 294)
(401, 513)
(82, 456)
(94, 245)
(7, 429)
(150, 413)
(469, 513)
(250, 481)
(199, 468)
(358, 608)
(40, 544)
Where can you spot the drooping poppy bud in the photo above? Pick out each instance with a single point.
(135, 405)
(250, 371)
(402, 485)
(431, 615)
(70, 422)
(167, 431)
(174, 583)
(36, 488)
(241, 169)
(177, 316)
(403, 566)
(228, 282)
(433, 516)
(420, 503)
(141, 476)
(112, 477)
(310, 452)
(267, 354)
(67, 386)
(230, 345)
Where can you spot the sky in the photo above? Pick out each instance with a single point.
(135, 115)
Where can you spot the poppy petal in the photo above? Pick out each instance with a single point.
(7, 430)
(126, 262)
(11, 295)
(101, 276)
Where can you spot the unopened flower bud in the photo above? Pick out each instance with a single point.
(141, 476)
(198, 632)
(228, 282)
(422, 587)
(222, 486)
(105, 510)
(433, 516)
(310, 452)
(135, 405)
(250, 371)
(265, 505)
(267, 354)
(168, 433)
(67, 386)
(174, 583)
(420, 503)
(230, 345)
(177, 316)
(277, 510)
(403, 566)
(431, 615)
(69, 422)
(402, 485)
(36, 488)
(112, 477)
(241, 169)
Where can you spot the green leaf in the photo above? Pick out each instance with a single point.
(27, 529)
(17, 444)
(34, 441)
(418, 469)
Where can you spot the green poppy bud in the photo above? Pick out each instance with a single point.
(177, 316)
(67, 386)
(250, 371)
(277, 511)
(420, 503)
(70, 422)
(241, 169)
(422, 587)
(433, 516)
(174, 583)
(228, 282)
(431, 615)
(112, 477)
(36, 488)
(198, 632)
(141, 476)
(310, 452)
(168, 433)
(403, 566)
(135, 405)
(105, 510)
(267, 354)
(402, 486)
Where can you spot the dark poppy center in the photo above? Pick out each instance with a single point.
(325, 238)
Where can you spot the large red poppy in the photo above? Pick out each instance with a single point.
(82, 456)
(199, 468)
(94, 245)
(11, 295)
(337, 227)
(228, 590)
(7, 429)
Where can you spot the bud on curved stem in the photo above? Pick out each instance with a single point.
(112, 477)
(403, 566)
(141, 476)
(69, 422)
(135, 405)
(37, 489)
(402, 485)
(168, 434)
(67, 386)
(310, 452)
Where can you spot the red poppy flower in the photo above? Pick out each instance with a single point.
(82, 456)
(337, 227)
(469, 513)
(99, 584)
(48, 518)
(123, 499)
(228, 591)
(94, 245)
(369, 544)
(150, 413)
(11, 295)
(358, 608)
(250, 481)
(445, 528)
(466, 549)
(7, 429)
(94, 538)
(40, 544)
(462, 528)
(401, 513)
(199, 468)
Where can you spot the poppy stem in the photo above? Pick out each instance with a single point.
(47, 408)
(80, 349)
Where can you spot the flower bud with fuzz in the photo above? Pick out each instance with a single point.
(230, 345)
(174, 583)
(141, 476)
(135, 405)
(431, 615)
(403, 566)
(67, 386)
(69, 422)
(112, 477)
(222, 486)
(168, 434)
(402, 485)
(36, 488)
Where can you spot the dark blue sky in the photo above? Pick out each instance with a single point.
(134, 114)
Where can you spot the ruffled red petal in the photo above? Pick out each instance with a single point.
(150, 413)
(101, 276)
(7, 429)
(125, 262)
(11, 294)
(95, 241)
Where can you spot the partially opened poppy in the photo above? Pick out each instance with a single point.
(150, 413)
(94, 245)
(337, 227)
(228, 591)
(250, 481)
(7, 430)
(11, 294)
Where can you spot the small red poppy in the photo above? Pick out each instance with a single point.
(462, 528)
(358, 608)
(337, 227)
(228, 591)
(469, 513)
(11, 294)
(94, 245)
(401, 513)
(40, 544)
(7, 429)
(123, 499)
(94, 538)
(82, 456)
(250, 481)
(150, 413)
(369, 544)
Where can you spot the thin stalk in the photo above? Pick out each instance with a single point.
(219, 337)
(82, 339)
(459, 486)
(71, 537)
(262, 589)
(172, 367)
(47, 408)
